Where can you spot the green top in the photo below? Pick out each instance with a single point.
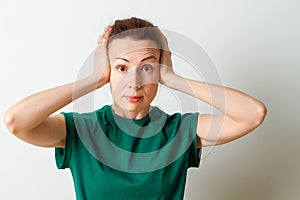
(112, 157)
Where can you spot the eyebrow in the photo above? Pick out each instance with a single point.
(149, 57)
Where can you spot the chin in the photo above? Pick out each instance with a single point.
(133, 107)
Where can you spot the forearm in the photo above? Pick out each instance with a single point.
(33, 110)
(233, 103)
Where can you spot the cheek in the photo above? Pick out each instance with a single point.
(117, 82)
(113, 80)
(150, 80)
(152, 77)
(151, 89)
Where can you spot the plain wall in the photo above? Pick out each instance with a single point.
(254, 45)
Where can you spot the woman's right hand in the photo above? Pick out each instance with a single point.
(101, 61)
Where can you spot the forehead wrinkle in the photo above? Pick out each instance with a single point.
(151, 54)
(122, 47)
(139, 50)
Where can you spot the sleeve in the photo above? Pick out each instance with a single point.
(194, 153)
(63, 155)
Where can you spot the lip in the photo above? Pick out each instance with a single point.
(133, 99)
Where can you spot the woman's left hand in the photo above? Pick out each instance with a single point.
(166, 67)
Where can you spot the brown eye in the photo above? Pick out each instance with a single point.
(121, 68)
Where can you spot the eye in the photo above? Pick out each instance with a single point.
(147, 68)
(121, 68)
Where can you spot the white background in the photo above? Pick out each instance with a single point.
(255, 46)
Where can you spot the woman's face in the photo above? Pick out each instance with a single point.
(134, 74)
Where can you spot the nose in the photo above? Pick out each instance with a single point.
(135, 79)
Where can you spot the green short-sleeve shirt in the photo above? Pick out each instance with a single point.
(111, 157)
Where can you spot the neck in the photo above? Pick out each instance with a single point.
(131, 114)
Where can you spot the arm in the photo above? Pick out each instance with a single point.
(241, 113)
(30, 118)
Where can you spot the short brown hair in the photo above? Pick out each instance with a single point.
(137, 29)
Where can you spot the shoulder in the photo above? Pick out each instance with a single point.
(187, 121)
(175, 115)
(87, 115)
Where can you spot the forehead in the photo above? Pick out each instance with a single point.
(128, 46)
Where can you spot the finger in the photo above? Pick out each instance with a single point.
(104, 36)
(100, 38)
(164, 40)
(107, 33)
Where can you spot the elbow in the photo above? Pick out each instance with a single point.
(260, 114)
(9, 121)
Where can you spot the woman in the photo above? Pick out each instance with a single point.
(156, 148)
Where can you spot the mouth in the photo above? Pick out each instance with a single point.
(133, 99)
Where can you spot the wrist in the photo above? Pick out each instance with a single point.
(95, 81)
(170, 79)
